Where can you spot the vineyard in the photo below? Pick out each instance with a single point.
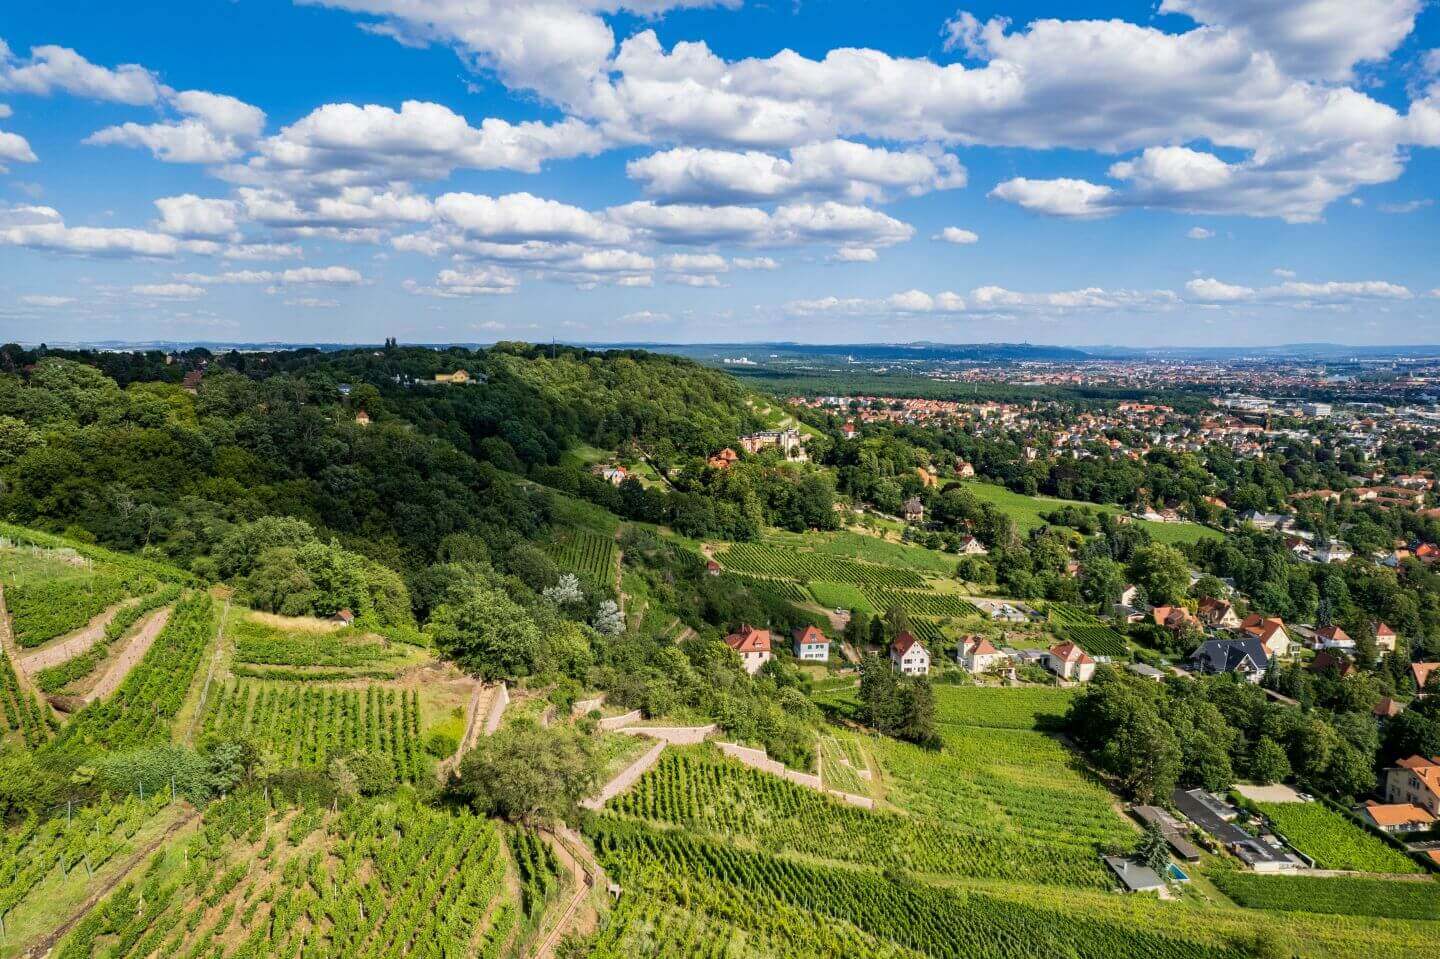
(779, 562)
(919, 603)
(1332, 840)
(46, 608)
(374, 881)
(1084, 630)
(784, 589)
(1341, 895)
(1020, 707)
(266, 652)
(696, 789)
(142, 710)
(56, 678)
(588, 555)
(308, 726)
(928, 631)
(539, 871)
(876, 915)
(840, 596)
(20, 713)
(839, 766)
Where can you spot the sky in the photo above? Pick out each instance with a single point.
(1172, 172)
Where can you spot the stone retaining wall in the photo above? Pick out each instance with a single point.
(675, 735)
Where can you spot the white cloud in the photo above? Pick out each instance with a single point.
(216, 128)
(1408, 206)
(193, 216)
(1283, 273)
(682, 223)
(837, 169)
(323, 276)
(1210, 290)
(15, 149)
(1199, 233)
(46, 300)
(262, 251)
(754, 263)
(1321, 38)
(313, 303)
(695, 263)
(1065, 197)
(837, 222)
(168, 291)
(52, 69)
(856, 254)
(523, 216)
(42, 228)
(988, 301)
(694, 280)
(954, 234)
(474, 281)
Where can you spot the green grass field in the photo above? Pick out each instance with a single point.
(1019, 707)
(1026, 510)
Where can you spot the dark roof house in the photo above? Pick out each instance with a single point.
(1246, 656)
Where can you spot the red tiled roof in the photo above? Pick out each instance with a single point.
(749, 640)
(903, 643)
(809, 635)
(1070, 653)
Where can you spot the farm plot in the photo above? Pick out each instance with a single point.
(782, 563)
(1340, 895)
(55, 679)
(1082, 628)
(1021, 707)
(671, 866)
(1332, 840)
(267, 652)
(45, 609)
(696, 789)
(588, 555)
(920, 603)
(840, 596)
(374, 881)
(308, 725)
(839, 767)
(143, 708)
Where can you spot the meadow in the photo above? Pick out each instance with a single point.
(1026, 512)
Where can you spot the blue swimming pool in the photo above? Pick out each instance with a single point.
(1176, 873)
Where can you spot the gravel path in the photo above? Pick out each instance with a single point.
(135, 651)
(66, 649)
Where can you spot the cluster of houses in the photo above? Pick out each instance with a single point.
(789, 442)
(753, 646)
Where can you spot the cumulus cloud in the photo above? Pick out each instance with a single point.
(42, 228)
(192, 216)
(322, 276)
(524, 216)
(1320, 38)
(856, 254)
(837, 169)
(1199, 233)
(474, 281)
(52, 69)
(1210, 290)
(988, 300)
(1065, 197)
(14, 149)
(46, 300)
(214, 129)
(957, 236)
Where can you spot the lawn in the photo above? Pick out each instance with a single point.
(1026, 510)
(1333, 841)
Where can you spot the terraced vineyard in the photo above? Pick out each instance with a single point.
(839, 767)
(928, 632)
(375, 881)
(782, 563)
(267, 652)
(918, 603)
(840, 596)
(1086, 631)
(56, 678)
(700, 791)
(141, 711)
(1333, 841)
(870, 914)
(785, 589)
(42, 610)
(308, 725)
(588, 555)
(1020, 707)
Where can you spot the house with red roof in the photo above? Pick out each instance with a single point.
(811, 645)
(1333, 637)
(1385, 638)
(723, 459)
(1415, 780)
(1397, 817)
(976, 654)
(1270, 630)
(908, 657)
(1421, 672)
(1174, 618)
(1069, 661)
(1218, 613)
(753, 647)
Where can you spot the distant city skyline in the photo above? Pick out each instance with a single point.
(1173, 173)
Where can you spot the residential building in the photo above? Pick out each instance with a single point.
(1174, 618)
(459, 376)
(811, 645)
(1333, 551)
(753, 646)
(344, 617)
(1270, 631)
(1129, 596)
(976, 654)
(723, 459)
(908, 656)
(1385, 638)
(1245, 657)
(362, 418)
(1069, 661)
(1415, 780)
(789, 442)
(1218, 614)
(1387, 708)
(1328, 660)
(1333, 637)
(1397, 817)
(1135, 876)
(1421, 672)
(970, 546)
(914, 510)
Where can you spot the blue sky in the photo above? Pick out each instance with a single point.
(1177, 172)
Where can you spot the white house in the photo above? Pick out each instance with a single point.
(1069, 661)
(1333, 552)
(977, 655)
(908, 657)
(753, 646)
(811, 645)
(970, 546)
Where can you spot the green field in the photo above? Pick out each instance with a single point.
(1343, 895)
(591, 556)
(869, 549)
(1026, 510)
(840, 596)
(1085, 630)
(1334, 841)
(918, 603)
(785, 563)
(1018, 707)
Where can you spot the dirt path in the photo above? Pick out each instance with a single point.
(120, 667)
(209, 673)
(626, 777)
(42, 947)
(474, 717)
(585, 875)
(66, 648)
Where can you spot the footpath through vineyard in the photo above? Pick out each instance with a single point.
(133, 652)
(66, 648)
